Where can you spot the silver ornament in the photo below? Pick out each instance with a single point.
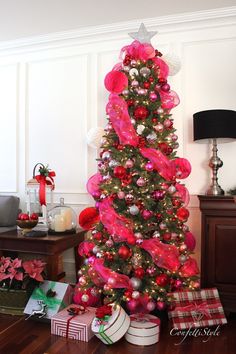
(99, 254)
(134, 83)
(125, 92)
(162, 226)
(133, 121)
(134, 210)
(126, 68)
(133, 63)
(138, 235)
(152, 137)
(140, 129)
(156, 234)
(106, 155)
(109, 243)
(182, 258)
(85, 298)
(133, 72)
(135, 294)
(135, 282)
(171, 189)
(96, 249)
(160, 110)
(113, 163)
(145, 72)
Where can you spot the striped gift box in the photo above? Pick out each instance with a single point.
(75, 327)
(195, 309)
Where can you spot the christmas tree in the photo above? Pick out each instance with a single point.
(140, 246)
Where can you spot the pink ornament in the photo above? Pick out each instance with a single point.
(132, 304)
(139, 241)
(149, 166)
(111, 281)
(141, 182)
(121, 194)
(129, 164)
(147, 214)
(151, 306)
(159, 127)
(158, 195)
(153, 96)
(142, 92)
(161, 305)
(96, 194)
(109, 243)
(82, 280)
(150, 270)
(107, 287)
(178, 283)
(134, 83)
(165, 87)
(168, 123)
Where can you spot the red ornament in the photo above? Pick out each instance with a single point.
(139, 272)
(151, 79)
(162, 280)
(124, 252)
(97, 236)
(146, 85)
(78, 298)
(34, 216)
(176, 202)
(119, 171)
(182, 214)
(140, 112)
(130, 102)
(23, 216)
(126, 180)
(131, 240)
(162, 81)
(167, 236)
(88, 218)
(163, 147)
(128, 294)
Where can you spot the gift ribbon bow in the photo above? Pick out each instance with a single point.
(43, 181)
(201, 310)
(51, 302)
(74, 312)
(142, 317)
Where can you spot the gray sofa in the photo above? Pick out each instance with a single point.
(9, 209)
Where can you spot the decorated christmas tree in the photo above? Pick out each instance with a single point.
(140, 247)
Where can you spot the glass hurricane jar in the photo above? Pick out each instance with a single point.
(61, 219)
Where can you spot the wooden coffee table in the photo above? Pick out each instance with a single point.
(50, 247)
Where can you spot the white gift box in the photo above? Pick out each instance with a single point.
(114, 328)
(62, 298)
(144, 329)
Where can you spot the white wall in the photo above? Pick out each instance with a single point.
(52, 93)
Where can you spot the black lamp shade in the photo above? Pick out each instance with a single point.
(214, 123)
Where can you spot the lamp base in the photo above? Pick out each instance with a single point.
(215, 190)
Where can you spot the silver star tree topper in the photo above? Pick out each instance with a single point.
(143, 36)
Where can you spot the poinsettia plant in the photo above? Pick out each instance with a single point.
(18, 274)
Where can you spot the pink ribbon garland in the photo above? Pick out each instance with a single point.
(118, 226)
(120, 280)
(120, 119)
(163, 255)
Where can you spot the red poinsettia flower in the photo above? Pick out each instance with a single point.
(103, 311)
(33, 270)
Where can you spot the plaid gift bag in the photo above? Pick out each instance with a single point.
(195, 309)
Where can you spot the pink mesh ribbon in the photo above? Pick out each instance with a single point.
(93, 183)
(162, 69)
(137, 50)
(163, 255)
(190, 241)
(160, 162)
(182, 193)
(189, 268)
(169, 99)
(168, 169)
(85, 247)
(118, 226)
(120, 280)
(120, 119)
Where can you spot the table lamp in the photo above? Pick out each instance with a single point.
(216, 125)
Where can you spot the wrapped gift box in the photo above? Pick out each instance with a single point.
(195, 309)
(54, 295)
(74, 326)
(111, 329)
(144, 329)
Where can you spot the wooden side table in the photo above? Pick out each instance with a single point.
(50, 246)
(218, 261)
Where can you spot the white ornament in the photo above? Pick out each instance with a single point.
(85, 298)
(94, 137)
(143, 36)
(173, 61)
(140, 129)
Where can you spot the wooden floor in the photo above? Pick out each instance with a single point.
(18, 336)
